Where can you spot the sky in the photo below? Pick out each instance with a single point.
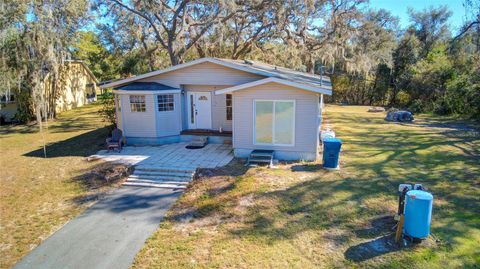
(399, 9)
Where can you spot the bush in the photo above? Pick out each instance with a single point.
(108, 108)
(417, 106)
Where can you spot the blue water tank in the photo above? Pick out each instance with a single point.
(418, 214)
(331, 152)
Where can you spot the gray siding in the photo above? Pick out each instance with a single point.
(204, 74)
(306, 118)
(169, 122)
(139, 124)
(219, 110)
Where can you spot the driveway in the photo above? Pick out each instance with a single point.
(108, 234)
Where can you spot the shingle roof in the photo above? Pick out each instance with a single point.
(145, 86)
(282, 72)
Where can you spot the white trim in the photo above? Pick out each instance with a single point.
(146, 92)
(273, 122)
(302, 86)
(180, 66)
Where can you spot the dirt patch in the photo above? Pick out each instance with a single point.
(105, 173)
(100, 179)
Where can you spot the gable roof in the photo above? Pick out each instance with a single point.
(310, 80)
(85, 67)
(275, 80)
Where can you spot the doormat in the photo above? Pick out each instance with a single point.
(194, 147)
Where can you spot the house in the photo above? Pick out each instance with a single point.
(77, 87)
(249, 104)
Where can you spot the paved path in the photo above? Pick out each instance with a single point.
(108, 234)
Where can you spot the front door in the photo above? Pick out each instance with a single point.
(199, 110)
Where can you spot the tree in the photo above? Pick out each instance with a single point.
(473, 20)
(43, 32)
(321, 30)
(176, 26)
(404, 56)
(430, 26)
(248, 29)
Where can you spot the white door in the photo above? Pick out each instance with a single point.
(199, 110)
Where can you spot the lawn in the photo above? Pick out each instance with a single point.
(38, 195)
(301, 216)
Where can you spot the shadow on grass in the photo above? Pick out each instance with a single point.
(82, 145)
(371, 249)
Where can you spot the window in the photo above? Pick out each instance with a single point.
(274, 122)
(165, 102)
(192, 110)
(229, 106)
(137, 103)
(118, 102)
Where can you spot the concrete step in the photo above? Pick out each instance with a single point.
(142, 180)
(163, 173)
(155, 185)
(260, 159)
(159, 177)
(196, 144)
(165, 169)
(202, 139)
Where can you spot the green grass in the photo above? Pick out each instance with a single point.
(301, 216)
(38, 195)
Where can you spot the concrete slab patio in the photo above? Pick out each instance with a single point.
(107, 235)
(171, 155)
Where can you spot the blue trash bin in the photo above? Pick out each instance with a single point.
(331, 153)
(418, 214)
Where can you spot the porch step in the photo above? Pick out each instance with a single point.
(164, 169)
(155, 185)
(162, 177)
(260, 156)
(198, 141)
(261, 153)
(163, 173)
(157, 181)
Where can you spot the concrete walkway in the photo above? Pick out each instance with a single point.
(107, 235)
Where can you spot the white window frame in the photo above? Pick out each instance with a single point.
(229, 106)
(173, 102)
(273, 123)
(137, 103)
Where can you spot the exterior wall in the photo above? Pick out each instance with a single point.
(204, 74)
(219, 110)
(306, 121)
(77, 83)
(168, 122)
(139, 124)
